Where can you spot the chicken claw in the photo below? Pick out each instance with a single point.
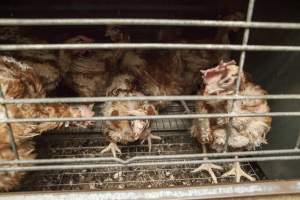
(149, 139)
(113, 148)
(208, 167)
(238, 172)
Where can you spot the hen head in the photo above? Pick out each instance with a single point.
(80, 39)
(116, 34)
(134, 129)
(221, 80)
(121, 84)
(9, 33)
(82, 111)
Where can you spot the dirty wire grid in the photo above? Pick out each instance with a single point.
(79, 143)
(175, 117)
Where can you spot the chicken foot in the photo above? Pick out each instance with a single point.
(208, 167)
(113, 148)
(238, 172)
(149, 138)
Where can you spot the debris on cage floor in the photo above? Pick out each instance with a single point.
(89, 143)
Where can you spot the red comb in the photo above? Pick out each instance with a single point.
(216, 70)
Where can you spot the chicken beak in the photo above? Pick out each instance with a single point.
(67, 124)
(138, 127)
(136, 136)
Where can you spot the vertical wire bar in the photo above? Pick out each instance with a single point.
(246, 34)
(245, 42)
(9, 129)
(186, 108)
(298, 141)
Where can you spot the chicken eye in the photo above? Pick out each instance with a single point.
(226, 81)
(115, 92)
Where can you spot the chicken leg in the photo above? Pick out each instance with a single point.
(113, 148)
(208, 167)
(238, 172)
(149, 138)
(185, 106)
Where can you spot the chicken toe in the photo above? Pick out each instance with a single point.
(208, 167)
(149, 139)
(113, 148)
(238, 172)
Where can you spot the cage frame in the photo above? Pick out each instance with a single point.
(274, 187)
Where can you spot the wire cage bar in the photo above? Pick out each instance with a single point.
(148, 22)
(19, 47)
(203, 192)
(171, 116)
(241, 67)
(148, 98)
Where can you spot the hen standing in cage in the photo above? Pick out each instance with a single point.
(19, 80)
(124, 131)
(244, 132)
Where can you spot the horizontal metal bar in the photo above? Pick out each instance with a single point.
(144, 22)
(233, 47)
(148, 98)
(155, 157)
(108, 7)
(214, 155)
(150, 163)
(152, 117)
(209, 191)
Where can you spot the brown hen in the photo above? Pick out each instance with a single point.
(87, 72)
(44, 62)
(159, 73)
(19, 80)
(196, 60)
(10, 180)
(125, 131)
(245, 133)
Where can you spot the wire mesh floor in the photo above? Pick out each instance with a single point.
(75, 143)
